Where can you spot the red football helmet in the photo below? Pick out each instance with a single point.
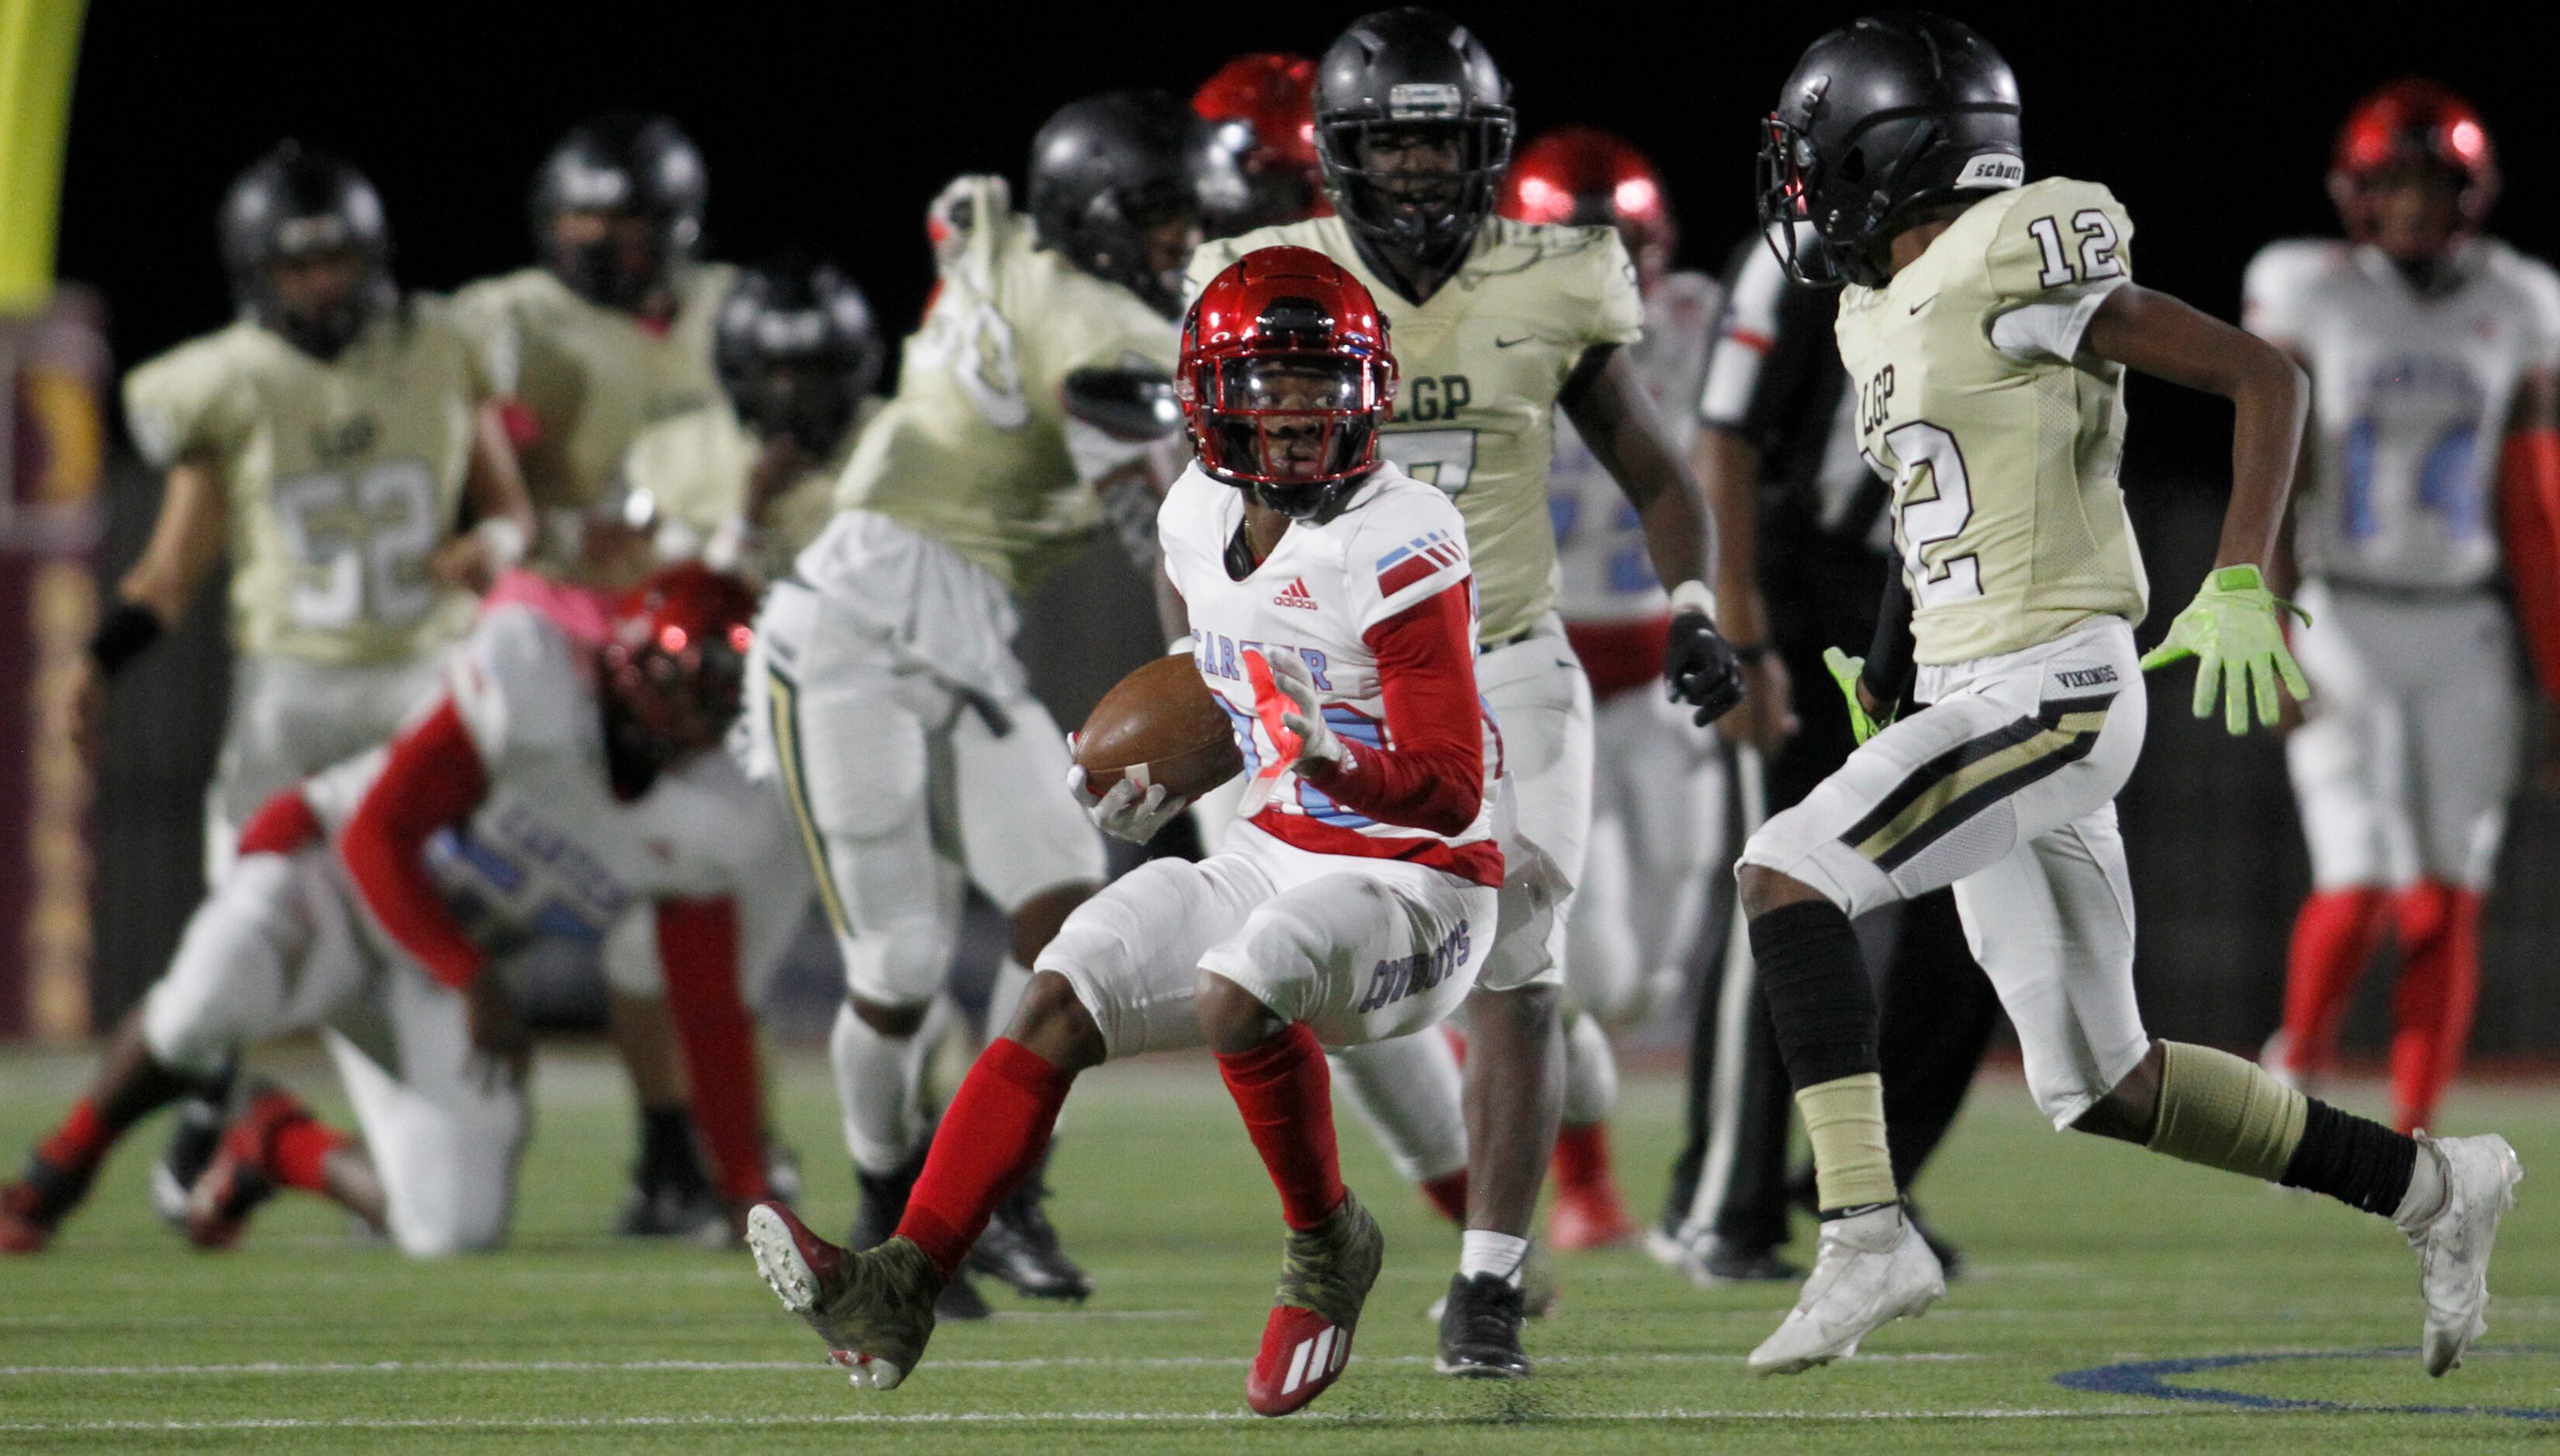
(2412, 121)
(1263, 108)
(1592, 178)
(675, 663)
(1285, 378)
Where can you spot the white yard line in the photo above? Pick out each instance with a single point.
(1026, 1363)
(1039, 1418)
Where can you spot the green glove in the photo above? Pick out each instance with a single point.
(1845, 670)
(2235, 631)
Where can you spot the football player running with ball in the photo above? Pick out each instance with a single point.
(1501, 324)
(888, 698)
(1332, 606)
(1988, 323)
(2424, 340)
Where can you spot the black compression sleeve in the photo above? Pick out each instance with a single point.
(1585, 370)
(1888, 669)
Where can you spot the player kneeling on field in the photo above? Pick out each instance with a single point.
(554, 787)
(1333, 618)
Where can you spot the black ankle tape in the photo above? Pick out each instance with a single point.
(2358, 1162)
(1820, 999)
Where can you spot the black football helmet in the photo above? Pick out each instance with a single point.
(1883, 116)
(298, 203)
(629, 163)
(1414, 70)
(796, 352)
(1109, 168)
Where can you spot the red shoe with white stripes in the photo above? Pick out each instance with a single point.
(1325, 1277)
(242, 1175)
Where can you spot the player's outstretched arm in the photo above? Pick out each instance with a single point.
(1615, 417)
(2234, 627)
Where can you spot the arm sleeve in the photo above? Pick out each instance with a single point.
(2529, 504)
(1432, 773)
(432, 779)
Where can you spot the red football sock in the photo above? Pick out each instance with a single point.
(1448, 1194)
(81, 1140)
(990, 1139)
(2439, 985)
(1582, 1157)
(698, 948)
(1287, 1098)
(300, 1152)
(2334, 939)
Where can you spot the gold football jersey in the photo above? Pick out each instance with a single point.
(973, 449)
(343, 477)
(1479, 366)
(592, 379)
(1999, 436)
(694, 469)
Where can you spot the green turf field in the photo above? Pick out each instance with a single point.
(2084, 1254)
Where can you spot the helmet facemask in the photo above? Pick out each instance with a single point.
(673, 696)
(1421, 187)
(1289, 427)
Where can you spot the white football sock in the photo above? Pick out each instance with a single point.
(2425, 1196)
(876, 1079)
(1481, 1251)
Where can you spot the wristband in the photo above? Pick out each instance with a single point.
(123, 636)
(503, 537)
(1693, 596)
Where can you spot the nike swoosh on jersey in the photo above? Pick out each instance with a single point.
(1924, 303)
(1511, 343)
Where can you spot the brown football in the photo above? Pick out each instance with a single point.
(1162, 716)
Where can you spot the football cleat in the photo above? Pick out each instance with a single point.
(1872, 1269)
(2481, 1174)
(1325, 1277)
(30, 1207)
(1021, 1247)
(1590, 1217)
(875, 1309)
(242, 1174)
(661, 1207)
(876, 1218)
(1480, 1329)
(1711, 1261)
(1541, 1291)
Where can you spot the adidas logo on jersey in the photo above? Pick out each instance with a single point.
(1295, 593)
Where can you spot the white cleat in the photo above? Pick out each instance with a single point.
(1872, 1270)
(2481, 1174)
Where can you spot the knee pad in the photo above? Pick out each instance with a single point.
(901, 963)
(1590, 1073)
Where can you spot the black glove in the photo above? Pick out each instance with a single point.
(1701, 668)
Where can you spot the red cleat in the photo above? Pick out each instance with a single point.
(242, 1175)
(1325, 1277)
(1590, 1217)
(23, 1226)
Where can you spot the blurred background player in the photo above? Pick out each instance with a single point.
(2432, 352)
(1262, 109)
(748, 481)
(554, 787)
(332, 442)
(1658, 792)
(608, 333)
(890, 702)
(1497, 324)
(1803, 556)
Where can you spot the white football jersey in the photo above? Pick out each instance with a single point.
(551, 851)
(1606, 571)
(2410, 396)
(1398, 543)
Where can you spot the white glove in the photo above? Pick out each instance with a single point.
(1134, 810)
(960, 209)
